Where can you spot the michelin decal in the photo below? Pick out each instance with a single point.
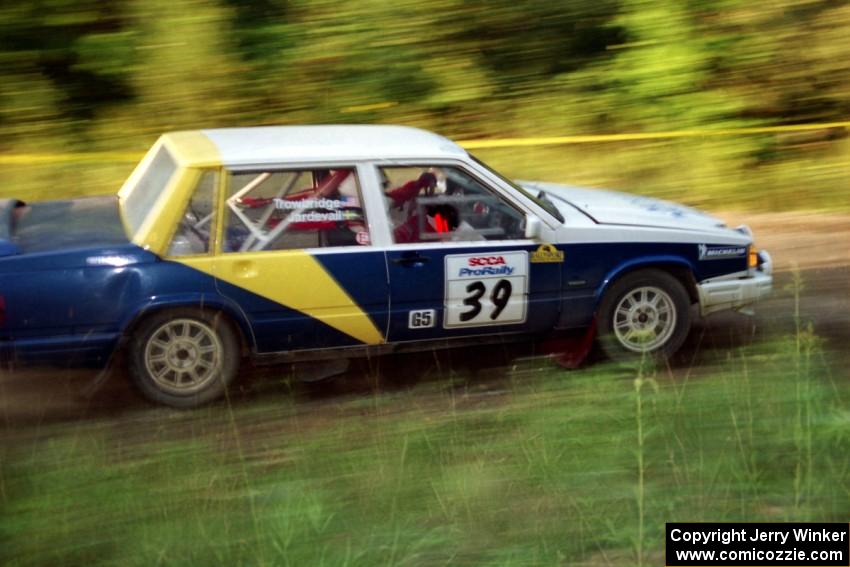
(709, 252)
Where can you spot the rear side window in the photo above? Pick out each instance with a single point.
(197, 225)
(151, 185)
(294, 209)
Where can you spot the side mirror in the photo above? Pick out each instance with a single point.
(533, 227)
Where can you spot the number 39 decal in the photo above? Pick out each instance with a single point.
(500, 297)
(486, 289)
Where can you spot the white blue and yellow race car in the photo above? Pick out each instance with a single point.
(301, 243)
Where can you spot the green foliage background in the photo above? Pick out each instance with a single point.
(89, 75)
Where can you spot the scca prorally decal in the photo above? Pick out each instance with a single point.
(707, 252)
(491, 265)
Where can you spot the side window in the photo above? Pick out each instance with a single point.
(286, 210)
(445, 204)
(193, 234)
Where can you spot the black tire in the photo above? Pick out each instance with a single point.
(623, 311)
(183, 371)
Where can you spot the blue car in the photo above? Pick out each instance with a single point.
(316, 242)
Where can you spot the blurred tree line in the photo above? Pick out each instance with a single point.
(91, 74)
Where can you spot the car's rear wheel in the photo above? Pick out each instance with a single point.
(184, 357)
(645, 314)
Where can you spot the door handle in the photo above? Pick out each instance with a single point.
(412, 259)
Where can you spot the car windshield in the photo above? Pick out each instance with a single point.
(540, 199)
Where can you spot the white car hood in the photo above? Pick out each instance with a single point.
(612, 207)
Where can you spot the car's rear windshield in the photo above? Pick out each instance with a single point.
(150, 186)
(544, 203)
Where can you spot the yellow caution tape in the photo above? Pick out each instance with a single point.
(35, 159)
(44, 158)
(588, 139)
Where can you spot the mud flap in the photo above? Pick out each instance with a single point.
(570, 351)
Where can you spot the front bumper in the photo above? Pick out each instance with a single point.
(737, 294)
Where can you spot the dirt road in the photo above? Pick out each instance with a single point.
(807, 241)
(817, 246)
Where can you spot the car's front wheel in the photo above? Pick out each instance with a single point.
(644, 314)
(184, 357)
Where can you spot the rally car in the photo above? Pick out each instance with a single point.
(310, 242)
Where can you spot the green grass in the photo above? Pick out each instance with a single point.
(561, 468)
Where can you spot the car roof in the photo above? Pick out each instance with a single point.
(265, 145)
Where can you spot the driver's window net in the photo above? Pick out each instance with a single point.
(288, 210)
(445, 204)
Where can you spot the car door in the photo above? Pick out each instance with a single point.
(296, 256)
(459, 263)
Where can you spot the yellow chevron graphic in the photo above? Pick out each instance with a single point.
(296, 280)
